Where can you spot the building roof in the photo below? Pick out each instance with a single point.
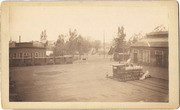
(156, 39)
(158, 44)
(150, 44)
(27, 45)
(158, 33)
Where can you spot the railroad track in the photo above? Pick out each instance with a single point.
(153, 84)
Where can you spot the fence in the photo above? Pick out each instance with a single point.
(41, 61)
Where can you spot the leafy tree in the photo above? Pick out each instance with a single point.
(111, 51)
(60, 46)
(72, 43)
(96, 44)
(76, 44)
(119, 41)
(135, 38)
(82, 45)
(79, 44)
(86, 46)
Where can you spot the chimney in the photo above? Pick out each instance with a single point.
(19, 39)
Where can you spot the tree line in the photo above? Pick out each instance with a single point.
(74, 43)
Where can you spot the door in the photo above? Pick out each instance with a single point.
(159, 60)
(135, 58)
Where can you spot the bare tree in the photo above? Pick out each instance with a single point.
(43, 37)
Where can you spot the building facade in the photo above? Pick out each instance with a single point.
(26, 53)
(26, 50)
(33, 53)
(151, 50)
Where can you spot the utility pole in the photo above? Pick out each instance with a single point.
(104, 43)
(123, 54)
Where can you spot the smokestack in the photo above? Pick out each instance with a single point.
(19, 39)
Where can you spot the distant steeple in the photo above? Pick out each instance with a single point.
(19, 39)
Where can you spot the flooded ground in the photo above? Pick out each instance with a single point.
(85, 81)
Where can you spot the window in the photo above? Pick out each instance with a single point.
(20, 55)
(146, 56)
(36, 54)
(14, 55)
(10, 56)
(141, 55)
(26, 55)
(159, 57)
(39, 54)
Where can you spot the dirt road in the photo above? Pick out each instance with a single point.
(83, 81)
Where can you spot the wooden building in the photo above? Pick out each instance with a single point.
(151, 50)
(26, 50)
(24, 53)
(33, 53)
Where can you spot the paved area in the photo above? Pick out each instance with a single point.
(84, 81)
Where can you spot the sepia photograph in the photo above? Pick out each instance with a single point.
(86, 52)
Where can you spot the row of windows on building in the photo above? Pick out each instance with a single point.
(144, 55)
(27, 55)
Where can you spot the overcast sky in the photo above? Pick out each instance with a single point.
(91, 22)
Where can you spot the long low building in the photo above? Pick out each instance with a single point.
(33, 53)
(26, 50)
(151, 50)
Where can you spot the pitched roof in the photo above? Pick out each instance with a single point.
(27, 45)
(152, 42)
(158, 33)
